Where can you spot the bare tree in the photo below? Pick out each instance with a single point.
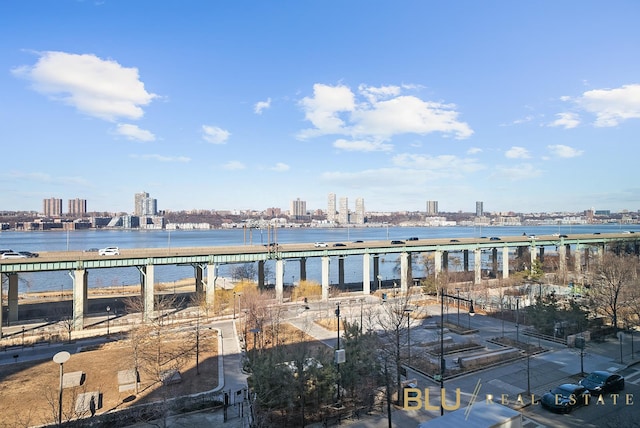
(611, 278)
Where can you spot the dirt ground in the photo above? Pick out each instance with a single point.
(29, 390)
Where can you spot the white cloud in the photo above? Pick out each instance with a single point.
(516, 173)
(215, 135)
(233, 166)
(563, 151)
(516, 152)
(382, 114)
(566, 120)
(96, 87)
(612, 106)
(133, 132)
(280, 167)
(262, 105)
(362, 146)
(41, 177)
(453, 165)
(474, 150)
(161, 158)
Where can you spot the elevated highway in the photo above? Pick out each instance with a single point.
(205, 261)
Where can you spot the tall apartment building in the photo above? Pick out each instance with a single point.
(343, 211)
(432, 207)
(52, 207)
(144, 205)
(359, 211)
(298, 209)
(479, 209)
(331, 207)
(77, 207)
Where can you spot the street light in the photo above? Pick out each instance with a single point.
(408, 312)
(61, 358)
(458, 297)
(108, 316)
(442, 360)
(517, 319)
(338, 348)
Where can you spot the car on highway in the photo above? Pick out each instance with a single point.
(320, 245)
(339, 244)
(359, 241)
(28, 254)
(413, 238)
(91, 250)
(454, 240)
(397, 242)
(109, 251)
(603, 382)
(495, 238)
(12, 255)
(565, 398)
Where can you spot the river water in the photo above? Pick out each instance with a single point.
(84, 239)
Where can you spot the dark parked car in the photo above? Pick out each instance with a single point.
(565, 398)
(601, 382)
(339, 244)
(397, 242)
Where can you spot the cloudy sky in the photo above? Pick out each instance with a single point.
(527, 106)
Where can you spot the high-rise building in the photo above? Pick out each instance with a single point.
(77, 207)
(479, 209)
(343, 211)
(331, 207)
(52, 207)
(432, 207)
(298, 209)
(359, 212)
(144, 205)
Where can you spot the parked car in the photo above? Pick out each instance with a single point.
(28, 254)
(109, 251)
(397, 242)
(565, 398)
(339, 244)
(320, 245)
(12, 255)
(602, 382)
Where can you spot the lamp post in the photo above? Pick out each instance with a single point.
(379, 282)
(442, 360)
(234, 305)
(108, 316)
(338, 348)
(408, 312)
(61, 358)
(517, 320)
(458, 297)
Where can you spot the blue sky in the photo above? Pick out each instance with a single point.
(527, 106)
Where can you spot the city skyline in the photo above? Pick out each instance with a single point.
(251, 105)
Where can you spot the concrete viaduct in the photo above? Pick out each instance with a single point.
(206, 260)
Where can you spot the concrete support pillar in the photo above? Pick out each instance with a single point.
(445, 261)
(198, 272)
(80, 301)
(533, 252)
(341, 272)
(12, 301)
(376, 270)
(494, 261)
(366, 275)
(147, 280)
(1, 309)
(261, 274)
(303, 269)
(279, 280)
(405, 272)
(325, 278)
(437, 262)
(541, 254)
(465, 260)
(505, 262)
(210, 285)
(477, 266)
(562, 260)
(577, 259)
